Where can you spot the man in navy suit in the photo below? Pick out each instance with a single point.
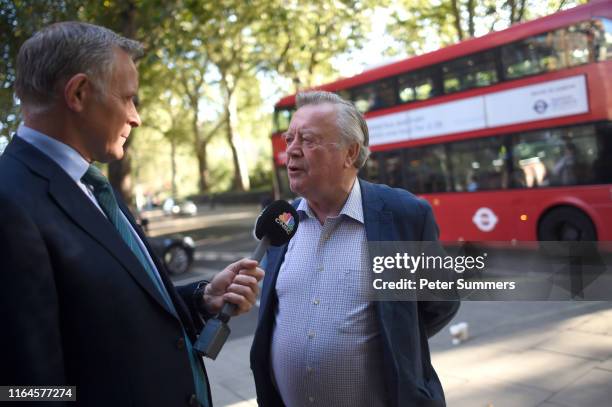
(320, 339)
(84, 301)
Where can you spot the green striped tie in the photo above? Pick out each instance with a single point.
(103, 192)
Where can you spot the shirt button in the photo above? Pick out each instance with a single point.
(311, 334)
(311, 399)
(180, 343)
(316, 301)
(309, 369)
(320, 268)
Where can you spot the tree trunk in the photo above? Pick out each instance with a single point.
(471, 12)
(173, 165)
(457, 16)
(202, 166)
(237, 179)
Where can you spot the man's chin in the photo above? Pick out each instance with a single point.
(296, 187)
(113, 155)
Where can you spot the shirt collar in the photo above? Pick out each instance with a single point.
(352, 207)
(62, 154)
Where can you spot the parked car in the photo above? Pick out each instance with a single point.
(172, 207)
(176, 251)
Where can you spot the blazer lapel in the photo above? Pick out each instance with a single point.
(274, 260)
(84, 213)
(378, 222)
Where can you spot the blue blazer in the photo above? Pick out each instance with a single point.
(389, 215)
(77, 307)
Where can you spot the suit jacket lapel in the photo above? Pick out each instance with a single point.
(83, 212)
(378, 222)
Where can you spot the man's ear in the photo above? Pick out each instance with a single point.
(77, 91)
(352, 155)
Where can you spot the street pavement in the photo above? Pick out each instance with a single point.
(519, 354)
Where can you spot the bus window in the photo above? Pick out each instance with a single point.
(602, 164)
(344, 94)
(469, 72)
(373, 96)
(282, 118)
(370, 170)
(419, 85)
(530, 56)
(392, 166)
(554, 50)
(426, 170)
(577, 50)
(362, 97)
(479, 164)
(601, 34)
(557, 157)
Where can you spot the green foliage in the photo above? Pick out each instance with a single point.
(302, 37)
(19, 19)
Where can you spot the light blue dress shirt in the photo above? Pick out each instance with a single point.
(326, 345)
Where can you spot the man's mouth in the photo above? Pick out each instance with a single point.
(294, 169)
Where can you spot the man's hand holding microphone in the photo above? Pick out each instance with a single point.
(237, 284)
(233, 295)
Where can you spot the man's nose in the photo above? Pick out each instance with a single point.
(134, 118)
(294, 149)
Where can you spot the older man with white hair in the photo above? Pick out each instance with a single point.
(321, 340)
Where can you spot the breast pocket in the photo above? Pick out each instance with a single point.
(351, 301)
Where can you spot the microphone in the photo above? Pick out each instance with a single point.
(275, 226)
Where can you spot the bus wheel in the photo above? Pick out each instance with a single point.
(566, 224)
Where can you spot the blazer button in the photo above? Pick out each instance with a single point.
(193, 401)
(180, 343)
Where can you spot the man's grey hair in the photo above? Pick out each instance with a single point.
(59, 51)
(350, 122)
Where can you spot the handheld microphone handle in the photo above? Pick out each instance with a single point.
(229, 308)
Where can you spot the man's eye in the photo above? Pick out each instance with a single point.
(132, 99)
(288, 139)
(308, 141)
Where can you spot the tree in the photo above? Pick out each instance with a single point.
(229, 45)
(141, 20)
(19, 20)
(300, 38)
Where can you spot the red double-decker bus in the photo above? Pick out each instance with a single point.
(508, 136)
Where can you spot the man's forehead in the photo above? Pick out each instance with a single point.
(314, 115)
(124, 68)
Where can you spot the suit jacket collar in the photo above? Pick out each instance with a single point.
(83, 212)
(378, 222)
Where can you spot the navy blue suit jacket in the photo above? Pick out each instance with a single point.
(389, 215)
(77, 307)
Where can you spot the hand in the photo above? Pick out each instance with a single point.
(237, 284)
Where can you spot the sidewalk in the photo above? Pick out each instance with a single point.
(519, 355)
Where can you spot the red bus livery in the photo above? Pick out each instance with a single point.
(508, 136)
